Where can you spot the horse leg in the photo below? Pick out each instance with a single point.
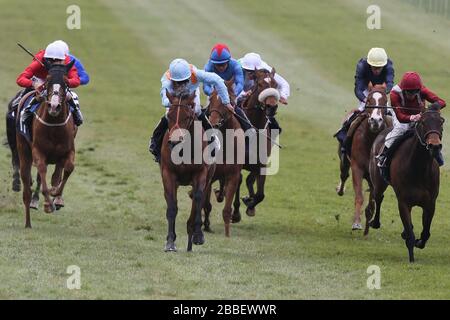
(219, 192)
(69, 166)
(344, 168)
(58, 201)
(12, 142)
(236, 217)
(369, 212)
(408, 233)
(259, 196)
(427, 218)
(170, 194)
(41, 165)
(35, 198)
(207, 207)
(194, 223)
(25, 174)
(231, 187)
(251, 191)
(357, 177)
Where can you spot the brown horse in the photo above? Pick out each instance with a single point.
(53, 142)
(362, 133)
(181, 119)
(414, 174)
(228, 171)
(258, 113)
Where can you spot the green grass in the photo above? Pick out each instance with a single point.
(299, 245)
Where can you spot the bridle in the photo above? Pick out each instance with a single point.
(177, 121)
(426, 134)
(62, 100)
(259, 105)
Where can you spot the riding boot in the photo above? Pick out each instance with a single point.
(157, 138)
(440, 158)
(76, 111)
(382, 157)
(26, 117)
(341, 134)
(273, 124)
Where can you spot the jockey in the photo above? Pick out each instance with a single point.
(84, 79)
(376, 69)
(252, 62)
(221, 63)
(181, 79)
(33, 77)
(410, 93)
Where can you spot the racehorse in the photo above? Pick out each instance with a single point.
(227, 172)
(259, 106)
(181, 119)
(414, 176)
(362, 134)
(53, 141)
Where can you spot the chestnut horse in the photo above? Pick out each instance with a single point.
(365, 129)
(228, 172)
(53, 142)
(258, 112)
(181, 119)
(414, 174)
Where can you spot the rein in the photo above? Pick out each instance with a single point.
(177, 125)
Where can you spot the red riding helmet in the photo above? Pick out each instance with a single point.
(220, 54)
(411, 81)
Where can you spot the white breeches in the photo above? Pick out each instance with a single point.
(362, 104)
(398, 130)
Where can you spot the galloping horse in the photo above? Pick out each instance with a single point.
(362, 133)
(258, 113)
(414, 176)
(53, 142)
(228, 172)
(181, 118)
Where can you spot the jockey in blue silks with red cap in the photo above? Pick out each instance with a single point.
(221, 63)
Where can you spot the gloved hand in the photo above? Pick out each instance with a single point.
(415, 117)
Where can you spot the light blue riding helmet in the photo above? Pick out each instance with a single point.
(179, 70)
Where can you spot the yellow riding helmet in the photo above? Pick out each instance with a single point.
(377, 57)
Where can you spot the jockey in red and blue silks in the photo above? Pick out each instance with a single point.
(221, 63)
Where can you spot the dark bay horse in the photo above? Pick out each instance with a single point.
(228, 172)
(362, 133)
(258, 112)
(53, 142)
(414, 174)
(181, 119)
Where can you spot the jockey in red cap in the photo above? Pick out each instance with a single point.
(408, 100)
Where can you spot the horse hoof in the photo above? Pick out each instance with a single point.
(198, 239)
(170, 247)
(236, 217)
(58, 202)
(247, 200)
(356, 226)
(420, 244)
(250, 212)
(219, 195)
(34, 204)
(340, 191)
(375, 224)
(49, 208)
(16, 185)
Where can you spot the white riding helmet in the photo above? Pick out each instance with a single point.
(64, 45)
(377, 57)
(179, 70)
(251, 61)
(54, 51)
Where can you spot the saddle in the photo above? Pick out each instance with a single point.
(354, 125)
(24, 124)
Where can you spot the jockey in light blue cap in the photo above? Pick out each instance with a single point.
(182, 79)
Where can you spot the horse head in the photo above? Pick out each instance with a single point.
(56, 86)
(218, 113)
(429, 129)
(377, 101)
(266, 90)
(180, 116)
